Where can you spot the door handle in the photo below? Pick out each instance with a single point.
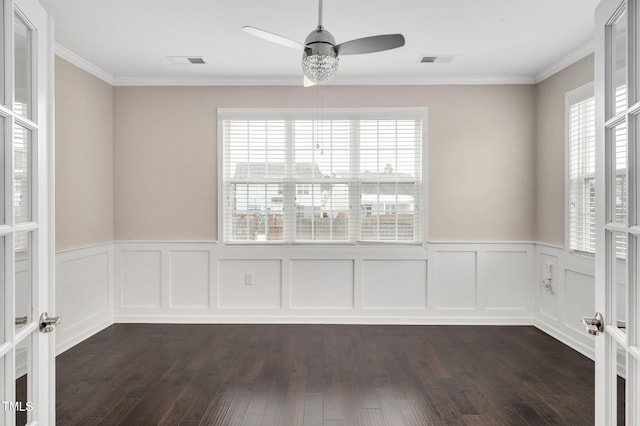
(595, 324)
(22, 320)
(47, 323)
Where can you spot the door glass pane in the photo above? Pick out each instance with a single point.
(2, 293)
(619, 376)
(2, 162)
(634, 137)
(23, 402)
(23, 276)
(22, 67)
(22, 174)
(618, 138)
(2, 58)
(618, 289)
(619, 61)
(3, 380)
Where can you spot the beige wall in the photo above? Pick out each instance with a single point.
(496, 155)
(84, 157)
(481, 155)
(550, 146)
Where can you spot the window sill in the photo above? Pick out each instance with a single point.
(316, 244)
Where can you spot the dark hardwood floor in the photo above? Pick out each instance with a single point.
(285, 375)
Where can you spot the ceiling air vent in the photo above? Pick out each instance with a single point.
(435, 59)
(186, 60)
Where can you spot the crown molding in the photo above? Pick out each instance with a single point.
(339, 81)
(543, 74)
(565, 61)
(83, 64)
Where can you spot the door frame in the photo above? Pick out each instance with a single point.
(41, 359)
(610, 338)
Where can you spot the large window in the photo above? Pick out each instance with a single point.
(581, 170)
(322, 176)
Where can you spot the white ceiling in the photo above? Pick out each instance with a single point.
(492, 40)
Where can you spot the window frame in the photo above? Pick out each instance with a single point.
(572, 97)
(392, 113)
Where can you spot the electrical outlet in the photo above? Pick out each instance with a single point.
(248, 279)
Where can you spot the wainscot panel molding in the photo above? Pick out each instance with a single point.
(208, 282)
(440, 283)
(484, 279)
(84, 293)
(564, 294)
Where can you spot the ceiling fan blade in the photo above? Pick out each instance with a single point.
(306, 82)
(274, 38)
(370, 44)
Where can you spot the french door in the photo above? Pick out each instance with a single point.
(26, 284)
(617, 213)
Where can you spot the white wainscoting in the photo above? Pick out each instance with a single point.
(205, 282)
(572, 295)
(84, 293)
(446, 283)
(488, 283)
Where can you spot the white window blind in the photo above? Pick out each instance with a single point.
(22, 175)
(581, 152)
(348, 176)
(619, 210)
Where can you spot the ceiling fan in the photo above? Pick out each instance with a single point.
(320, 51)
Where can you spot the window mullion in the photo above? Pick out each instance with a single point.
(418, 207)
(354, 178)
(395, 213)
(380, 207)
(289, 193)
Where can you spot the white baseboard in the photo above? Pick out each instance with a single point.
(82, 333)
(565, 338)
(347, 320)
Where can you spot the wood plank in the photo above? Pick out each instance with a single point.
(313, 411)
(323, 375)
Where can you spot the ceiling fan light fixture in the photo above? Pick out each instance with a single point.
(319, 68)
(320, 51)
